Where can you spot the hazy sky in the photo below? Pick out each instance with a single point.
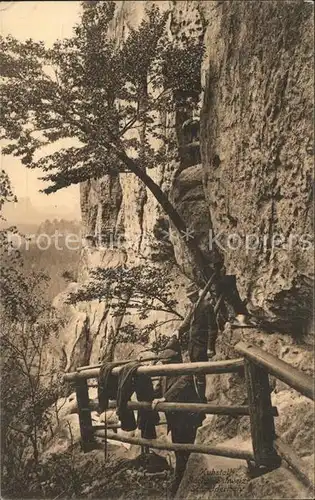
(45, 21)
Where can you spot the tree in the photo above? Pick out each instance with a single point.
(104, 96)
(27, 320)
(132, 291)
(6, 192)
(27, 391)
(12, 280)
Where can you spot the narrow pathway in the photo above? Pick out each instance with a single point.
(209, 478)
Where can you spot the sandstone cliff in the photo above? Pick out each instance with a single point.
(252, 185)
(257, 136)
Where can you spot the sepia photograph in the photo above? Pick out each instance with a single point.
(157, 250)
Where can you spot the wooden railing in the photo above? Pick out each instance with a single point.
(255, 365)
(228, 366)
(258, 365)
(85, 406)
(274, 366)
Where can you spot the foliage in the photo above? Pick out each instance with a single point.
(181, 66)
(27, 321)
(6, 193)
(135, 291)
(68, 276)
(71, 475)
(90, 89)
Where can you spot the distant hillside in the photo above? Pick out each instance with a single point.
(23, 213)
(53, 257)
(63, 226)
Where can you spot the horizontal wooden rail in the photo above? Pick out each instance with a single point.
(182, 407)
(295, 462)
(89, 367)
(222, 451)
(98, 427)
(228, 366)
(122, 362)
(96, 385)
(192, 407)
(292, 376)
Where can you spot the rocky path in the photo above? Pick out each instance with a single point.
(208, 477)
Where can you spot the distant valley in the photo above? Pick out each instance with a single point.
(42, 242)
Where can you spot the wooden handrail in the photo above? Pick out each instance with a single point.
(99, 427)
(222, 451)
(122, 362)
(184, 407)
(227, 366)
(256, 365)
(283, 371)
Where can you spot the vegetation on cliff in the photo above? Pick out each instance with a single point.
(136, 291)
(27, 389)
(105, 97)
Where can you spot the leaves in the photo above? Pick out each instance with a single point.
(182, 64)
(134, 291)
(144, 288)
(6, 192)
(103, 96)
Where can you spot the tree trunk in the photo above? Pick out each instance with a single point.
(198, 257)
(109, 350)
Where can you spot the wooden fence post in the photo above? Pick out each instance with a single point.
(261, 419)
(85, 420)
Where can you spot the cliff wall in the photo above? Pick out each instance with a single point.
(250, 190)
(257, 152)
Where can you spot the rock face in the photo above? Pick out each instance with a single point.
(256, 144)
(188, 197)
(100, 204)
(254, 181)
(252, 186)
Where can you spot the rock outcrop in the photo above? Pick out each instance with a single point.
(257, 153)
(188, 196)
(250, 191)
(254, 183)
